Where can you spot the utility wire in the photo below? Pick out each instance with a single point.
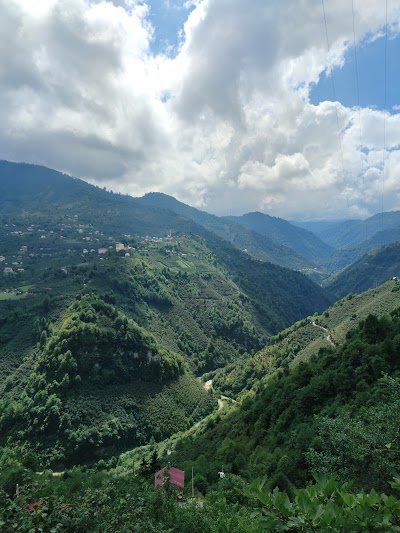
(358, 106)
(336, 106)
(384, 119)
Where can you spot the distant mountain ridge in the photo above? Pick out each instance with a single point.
(232, 230)
(262, 236)
(370, 270)
(301, 240)
(154, 213)
(28, 191)
(355, 232)
(345, 257)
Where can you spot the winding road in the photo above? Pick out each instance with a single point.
(208, 385)
(328, 337)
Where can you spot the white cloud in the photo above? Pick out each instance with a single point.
(226, 124)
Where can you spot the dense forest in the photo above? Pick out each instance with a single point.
(142, 333)
(333, 415)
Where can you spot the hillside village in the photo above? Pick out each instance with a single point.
(26, 249)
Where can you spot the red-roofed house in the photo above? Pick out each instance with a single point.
(176, 477)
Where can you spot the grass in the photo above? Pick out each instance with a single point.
(12, 295)
(184, 264)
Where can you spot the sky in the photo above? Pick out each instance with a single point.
(229, 106)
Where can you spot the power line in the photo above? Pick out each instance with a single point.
(358, 106)
(384, 106)
(336, 107)
(384, 118)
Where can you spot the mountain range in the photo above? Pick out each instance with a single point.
(138, 332)
(119, 330)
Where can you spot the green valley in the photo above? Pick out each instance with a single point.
(133, 336)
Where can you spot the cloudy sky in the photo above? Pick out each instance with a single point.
(227, 105)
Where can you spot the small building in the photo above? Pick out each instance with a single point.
(127, 254)
(2, 258)
(174, 475)
(8, 270)
(119, 247)
(85, 251)
(24, 249)
(102, 251)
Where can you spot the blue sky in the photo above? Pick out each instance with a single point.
(167, 18)
(371, 76)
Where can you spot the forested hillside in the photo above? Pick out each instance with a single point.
(346, 256)
(371, 270)
(115, 326)
(302, 241)
(305, 338)
(337, 413)
(259, 244)
(355, 232)
(124, 327)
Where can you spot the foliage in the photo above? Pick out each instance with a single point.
(275, 425)
(304, 339)
(324, 506)
(348, 442)
(100, 502)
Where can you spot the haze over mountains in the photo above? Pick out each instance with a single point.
(288, 244)
(330, 248)
(303, 241)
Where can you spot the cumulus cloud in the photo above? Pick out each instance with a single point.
(226, 124)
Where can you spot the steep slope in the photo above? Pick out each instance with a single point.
(337, 413)
(267, 248)
(104, 334)
(32, 194)
(186, 289)
(97, 380)
(113, 332)
(305, 338)
(347, 255)
(369, 271)
(302, 241)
